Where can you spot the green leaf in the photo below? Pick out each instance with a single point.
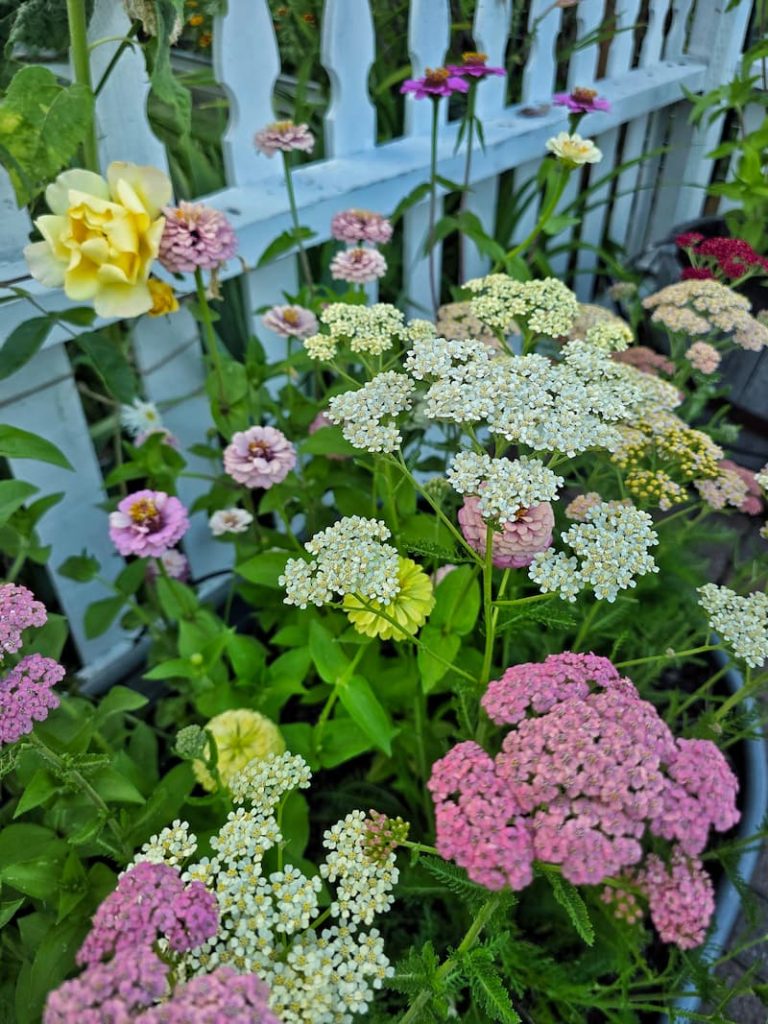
(433, 666)
(454, 879)
(457, 602)
(22, 343)
(8, 909)
(81, 316)
(328, 441)
(13, 494)
(100, 615)
(284, 243)
(114, 787)
(414, 196)
(40, 787)
(74, 886)
(164, 804)
(326, 653)
(117, 701)
(177, 101)
(246, 655)
(41, 125)
(176, 600)
(174, 668)
(487, 988)
(559, 223)
(30, 859)
(20, 444)
(264, 569)
(341, 741)
(568, 896)
(82, 568)
(362, 705)
(109, 362)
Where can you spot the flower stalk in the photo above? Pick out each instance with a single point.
(303, 258)
(81, 66)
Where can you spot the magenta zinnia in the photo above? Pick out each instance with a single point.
(147, 523)
(259, 457)
(474, 66)
(581, 101)
(195, 237)
(436, 82)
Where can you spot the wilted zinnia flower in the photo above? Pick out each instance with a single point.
(358, 266)
(285, 137)
(147, 523)
(241, 736)
(574, 151)
(361, 226)
(515, 545)
(581, 101)
(102, 236)
(229, 520)
(196, 236)
(436, 82)
(409, 608)
(290, 321)
(163, 299)
(259, 457)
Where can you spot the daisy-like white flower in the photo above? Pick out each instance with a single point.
(574, 151)
(140, 417)
(230, 520)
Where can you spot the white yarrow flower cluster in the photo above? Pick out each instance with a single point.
(369, 329)
(362, 413)
(762, 478)
(504, 486)
(140, 417)
(610, 335)
(546, 307)
(350, 558)
(611, 548)
(173, 845)
(268, 921)
(741, 622)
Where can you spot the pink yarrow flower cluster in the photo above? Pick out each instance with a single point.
(18, 611)
(358, 266)
(290, 321)
(586, 772)
(150, 902)
(222, 996)
(355, 226)
(195, 237)
(26, 696)
(284, 137)
(259, 457)
(517, 542)
(148, 523)
(110, 993)
(581, 101)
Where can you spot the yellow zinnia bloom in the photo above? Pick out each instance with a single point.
(163, 298)
(241, 736)
(414, 601)
(101, 237)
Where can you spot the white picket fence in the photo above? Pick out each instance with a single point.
(684, 44)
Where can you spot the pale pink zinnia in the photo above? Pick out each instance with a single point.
(259, 457)
(195, 236)
(148, 523)
(361, 226)
(358, 266)
(284, 137)
(290, 321)
(703, 357)
(174, 564)
(515, 545)
(229, 520)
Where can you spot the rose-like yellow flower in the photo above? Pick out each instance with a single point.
(573, 150)
(102, 236)
(410, 608)
(241, 736)
(163, 298)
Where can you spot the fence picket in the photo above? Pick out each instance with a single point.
(429, 32)
(350, 121)
(16, 226)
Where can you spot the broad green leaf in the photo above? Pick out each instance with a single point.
(8, 909)
(74, 886)
(174, 668)
(433, 666)
(164, 804)
(13, 494)
(177, 600)
(246, 655)
(457, 602)
(114, 787)
(329, 659)
(284, 243)
(362, 705)
(100, 615)
(568, 896)
(116, 702)
(22, 343)
(264, 569)
(176, 99)
(82, 568)
(40, 787)
(414, 196)
(106, 357)
(328, 441)
(20, 444)
(341, 741)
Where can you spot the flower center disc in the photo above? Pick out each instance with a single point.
(144, 512)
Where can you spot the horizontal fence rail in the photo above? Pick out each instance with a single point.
(642, 71)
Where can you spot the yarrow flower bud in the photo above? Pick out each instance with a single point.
(191, 741)
(383, 835)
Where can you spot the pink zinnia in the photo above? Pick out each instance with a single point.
(290, 321)
(519, 540)
(222, 995)
(361, 226)
(284, 137)
(358, 266)
(474, 65)
(195, 236)
(26, 696)
(18, 611)
(175, 564)
(436, 82)
(259, 457)
(147, 523)
(581, 101)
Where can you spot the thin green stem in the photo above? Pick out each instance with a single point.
(81, 64)
(751, 685)
(546, 213)
(488, 619)
(419, 847)
(209, 335)
(18, 563)
(303, 258)
(667, 656)
(586, 624)
(127, 40)
(523, 600)
(433, 290)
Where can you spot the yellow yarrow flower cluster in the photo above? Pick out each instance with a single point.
(405, 614)
(655, 487)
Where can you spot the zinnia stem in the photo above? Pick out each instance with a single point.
(546, 213)
(209, 335)
(433, 206)
(81, 65)
(303, 258)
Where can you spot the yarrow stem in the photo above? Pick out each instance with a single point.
(78, 45)
(668, 656)
(488, 610)
(484, 915)
(303, 258)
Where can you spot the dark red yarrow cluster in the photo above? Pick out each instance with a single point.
(719, 258)
(588, 770)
